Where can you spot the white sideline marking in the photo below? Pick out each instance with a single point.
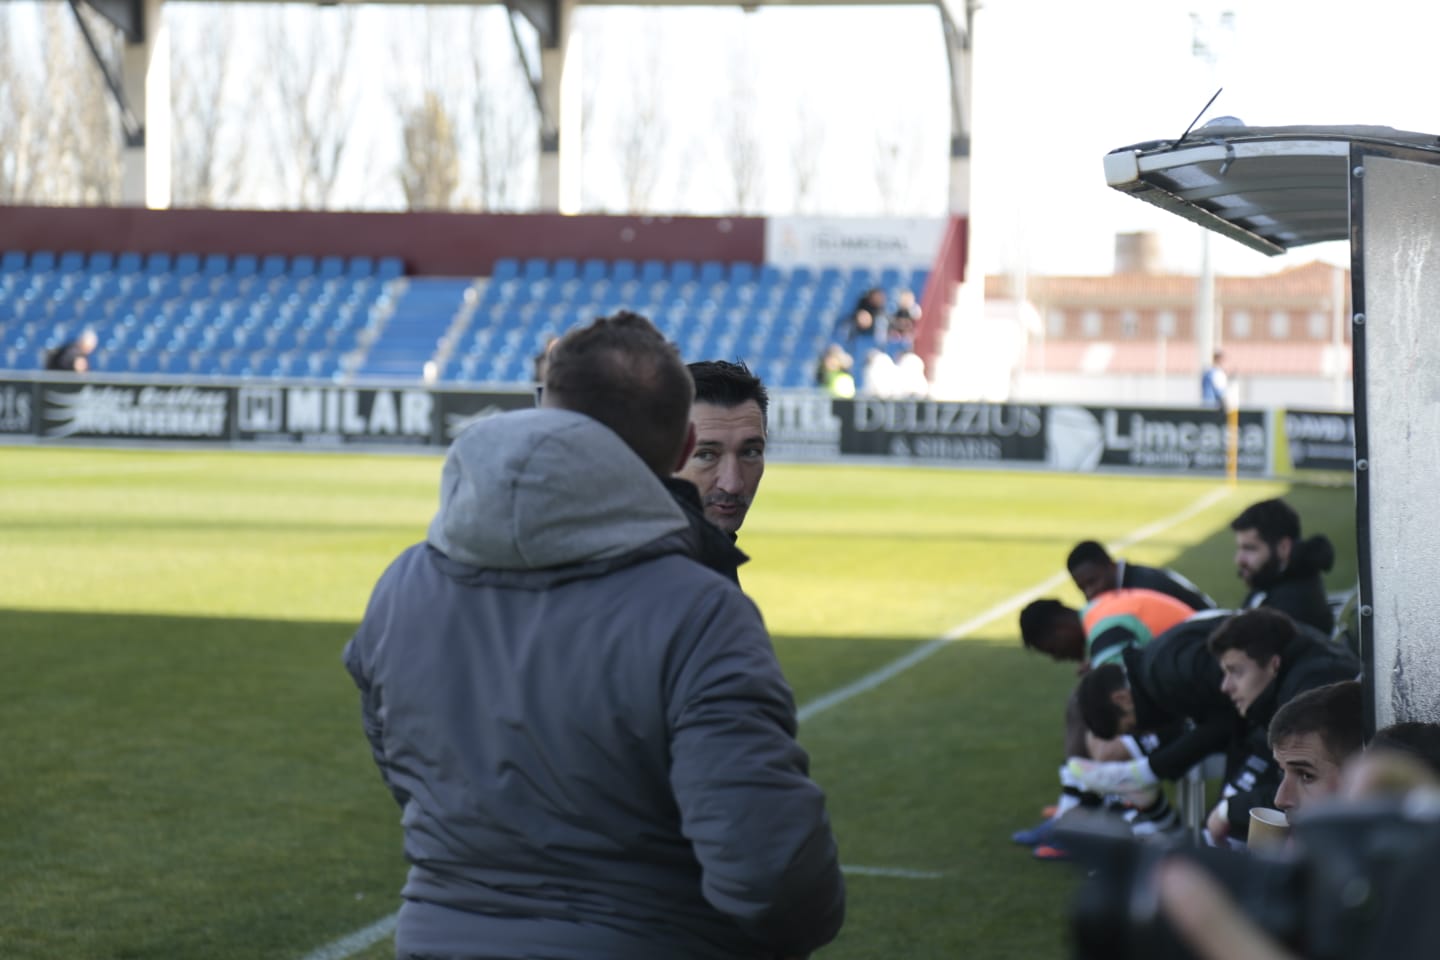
(901, 873)
(350, 945)
(924, 652)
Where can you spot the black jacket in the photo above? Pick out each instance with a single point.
(1167, 582)
(1175, 684)
(1309, 661)
(1299, 589)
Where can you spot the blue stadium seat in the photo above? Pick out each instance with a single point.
(331, 267)
(157, 263)
(12, 262)
(594, 270)
(682, 271)
(712, 272)
(187, 264)
(506, 268)
(565, 269)
(742, 272)
(388, 268)
(536, 268)
(302, 266)
(216, 265)
(623, 271)
(72, 261)
(359, 267)
(245, 265)
(272, 266)
(652, 272)
(42, 261)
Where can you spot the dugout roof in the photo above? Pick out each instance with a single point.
(1270, 188)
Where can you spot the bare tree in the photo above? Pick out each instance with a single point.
(207, 158)
(897, 163)
(501, 112)
(641, 133)
(430, 169)
(743, 150)
(313, 105)
(806, 150)
(59, 129)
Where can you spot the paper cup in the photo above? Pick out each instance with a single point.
(1269, 829)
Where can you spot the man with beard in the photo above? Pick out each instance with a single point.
(1282, 570)
(729, 457)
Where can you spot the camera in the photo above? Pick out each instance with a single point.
(1358, 880)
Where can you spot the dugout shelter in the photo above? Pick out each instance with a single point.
(1274, 188)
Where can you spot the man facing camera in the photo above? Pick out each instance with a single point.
(1312, 736)
(729, 456)
(587, 731)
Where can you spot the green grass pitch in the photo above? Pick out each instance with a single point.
(184, 771)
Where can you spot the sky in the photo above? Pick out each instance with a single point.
(1059, 83)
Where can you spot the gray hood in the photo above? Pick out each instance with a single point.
(537, 489)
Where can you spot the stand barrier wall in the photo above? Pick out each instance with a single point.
(804, 425)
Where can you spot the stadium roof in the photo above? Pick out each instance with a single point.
(1270, 188)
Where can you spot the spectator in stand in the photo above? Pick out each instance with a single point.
(1282, 570)
(1095, 572)
(1267, 661)
(903, 323)
(864, 328)
(1311, 737)
(1214, 382)
(879, 378)
(910, 379)
(833, 372)
(73, 355)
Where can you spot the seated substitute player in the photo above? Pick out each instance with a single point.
(1311, 737)
(1170, 687)
(1267, 661)
(1095, 635)
(1281, 569)
(1095, 572)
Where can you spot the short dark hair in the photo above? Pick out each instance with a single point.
(1274, 520)
(622, 371)
(1087, 551)
(1333, 712)
(1037, 618)
(1419, 740)
(1260, 634)
(1097, 709)
(727, 384)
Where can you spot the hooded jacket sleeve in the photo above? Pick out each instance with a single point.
(370, 707)
(756, 820)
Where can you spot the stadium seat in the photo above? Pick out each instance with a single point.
(12, 262)
(129, 263)
(388, 268)
(594, 270)
(186, 264)
(216, 265)
(331, 267)
(682, 271)
(302, 266)
(72, 261)
(506, 268)
(245, 265)
(272, 266)
(359, 267)
(622, 271)
(652, 272)
(565, 269)
(712, 272)
(42, 261)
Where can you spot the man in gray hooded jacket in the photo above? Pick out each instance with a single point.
(587, 731)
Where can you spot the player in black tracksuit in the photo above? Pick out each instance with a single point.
(1095, 571)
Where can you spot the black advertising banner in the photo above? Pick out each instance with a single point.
(1319, 440)
(1182, 440)
(942, 432)
(127, 411)
(329, 416)
(457, 409)
(17, 407)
